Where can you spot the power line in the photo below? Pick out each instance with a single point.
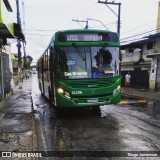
(41, 30)
(108, 24)
(150, 31)
(97, 21)
(119, 11)
(138, 27)
(85, 12)
(94, 12)
(138, 35)
(38, 34)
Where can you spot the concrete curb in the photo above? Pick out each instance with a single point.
(141, 96)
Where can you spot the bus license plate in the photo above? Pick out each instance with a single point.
(92, 100)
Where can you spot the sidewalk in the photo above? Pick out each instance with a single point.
(142, 93)
(17, 123)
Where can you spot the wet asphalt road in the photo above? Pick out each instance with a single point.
(124, 127)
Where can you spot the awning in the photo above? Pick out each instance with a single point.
(127, 68)
(153, 55)
(9, 29)
(5, 33)
(18, 32)
(132, 67)
(6, 22)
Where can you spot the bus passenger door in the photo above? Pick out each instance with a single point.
(43, 90)
(51, 70)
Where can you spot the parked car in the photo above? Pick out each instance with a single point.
(34, 70)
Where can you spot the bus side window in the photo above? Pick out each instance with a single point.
(52, 58)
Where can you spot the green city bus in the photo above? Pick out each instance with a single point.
(81, 68)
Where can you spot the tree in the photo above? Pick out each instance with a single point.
(28, 62)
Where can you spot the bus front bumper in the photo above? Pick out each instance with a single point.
(63, 101)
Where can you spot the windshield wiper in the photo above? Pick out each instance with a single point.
(81, 55)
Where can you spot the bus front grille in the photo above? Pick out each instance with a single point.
(103, 99)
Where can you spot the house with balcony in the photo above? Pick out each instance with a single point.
(142, 60)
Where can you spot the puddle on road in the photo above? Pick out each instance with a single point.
(154, 104)
(153, 109)
(41, 105)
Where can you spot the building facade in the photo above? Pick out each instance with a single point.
(8, 29)
(142, 60)
(5, 72)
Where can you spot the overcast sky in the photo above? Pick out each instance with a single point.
(44, 17)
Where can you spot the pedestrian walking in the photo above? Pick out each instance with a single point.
(127, 81)
(28, 75)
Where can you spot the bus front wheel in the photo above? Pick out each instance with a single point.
(96, 110)
(50, 94)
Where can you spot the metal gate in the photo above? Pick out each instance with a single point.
(5, 78)
(158, 75)
(6, 74)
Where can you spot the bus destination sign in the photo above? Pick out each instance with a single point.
(83, 37)
(87, 37)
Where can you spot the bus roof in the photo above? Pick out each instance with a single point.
(86, 30)
(86, 36)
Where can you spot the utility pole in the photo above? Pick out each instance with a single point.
(119, 11)
(19, 46)
(24, 48)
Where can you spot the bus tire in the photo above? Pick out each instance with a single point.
(50, 94)
(96, 110)
(59, 111)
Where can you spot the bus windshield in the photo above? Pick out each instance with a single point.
(87, 62)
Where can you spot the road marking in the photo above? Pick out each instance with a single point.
(125, 101)
(142, 101)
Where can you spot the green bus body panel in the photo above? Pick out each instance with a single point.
(102, 90)
(85, 92)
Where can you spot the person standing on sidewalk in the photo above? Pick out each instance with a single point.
(22, 77)
(127, 81)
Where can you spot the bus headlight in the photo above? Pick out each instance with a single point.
(60, 90)
(63, 92)
(116, 90)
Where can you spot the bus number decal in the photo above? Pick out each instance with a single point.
(76, 92)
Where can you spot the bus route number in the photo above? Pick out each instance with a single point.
(72, 38)
(76, 92)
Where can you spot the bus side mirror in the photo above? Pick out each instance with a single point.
(120, 55)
